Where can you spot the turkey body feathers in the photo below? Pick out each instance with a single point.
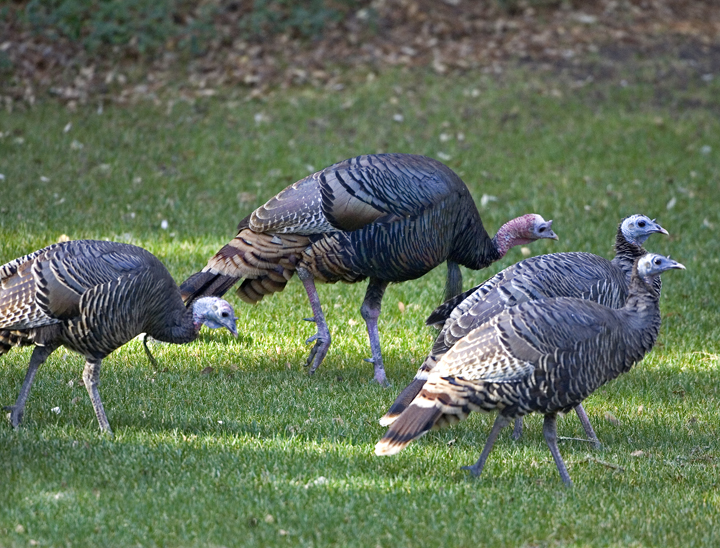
(393, 217)
(532, 279)
(541, 356)
(575, 274)
(536, 357)
(93, 297)
(49, 286)
(386, 217)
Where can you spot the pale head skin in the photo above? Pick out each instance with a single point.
(653, 264)
(638, 228)
(215, 313)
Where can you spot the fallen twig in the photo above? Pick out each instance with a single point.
(589, 459)
(575, 439)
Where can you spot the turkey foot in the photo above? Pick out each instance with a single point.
(370, 311)
(477, 468)
(322, 337)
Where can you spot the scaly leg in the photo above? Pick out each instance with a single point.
(550, 433)
(370, 311)
(517, 429)
(39, 355)
(477, 468)
(322, 337)
(589, 432)
(91, 378)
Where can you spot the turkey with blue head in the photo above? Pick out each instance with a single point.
(575, 274)
(544, 356)
(93, 297)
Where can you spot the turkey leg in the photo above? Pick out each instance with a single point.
(322, 337)
(589, 432)
(550, 433)
(370, 311)
(477, 468)
(91, 378)
(517, 429)
(453, 284)
(39, 355)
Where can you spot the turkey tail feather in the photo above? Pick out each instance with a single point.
(265, 261)
(402, 402)
(205, 284)
(415, 421)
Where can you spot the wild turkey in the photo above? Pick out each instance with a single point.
(579, 275)
(542, 356)
(92, 297)
(387, 217)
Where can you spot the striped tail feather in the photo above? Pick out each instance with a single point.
(440, 403)
(205, 284)
(402, 402)
(265, 261)
(8, 339)
(416, 420)
(409, 393)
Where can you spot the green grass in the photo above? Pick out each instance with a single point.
(257, 453)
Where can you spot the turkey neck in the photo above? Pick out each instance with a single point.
(480, 251)
(642, 312)
(626, 253)
(178, 326)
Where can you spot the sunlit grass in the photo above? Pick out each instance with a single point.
(255, 452)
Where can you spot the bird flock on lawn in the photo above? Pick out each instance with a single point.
(539, 336)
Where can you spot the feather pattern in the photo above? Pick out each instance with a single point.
(92, 297)
(575, 274)
(386, 217)
(542, 356)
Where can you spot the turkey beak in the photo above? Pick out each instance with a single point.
(551, 235)
(230, 323)
(678, 266)
(232, 327)
(660, 230)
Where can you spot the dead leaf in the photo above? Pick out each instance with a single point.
(637, 453)
(207, 370)
(611, 418)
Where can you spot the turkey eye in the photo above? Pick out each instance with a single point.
(641, 224)
(224, 314)
(542, 229)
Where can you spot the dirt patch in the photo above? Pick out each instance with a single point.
(449, 36)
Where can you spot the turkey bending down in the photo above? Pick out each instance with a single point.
(387, 217)
(579, 275)
(92, 297)
(542, 356)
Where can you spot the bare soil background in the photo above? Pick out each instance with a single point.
(678, 39)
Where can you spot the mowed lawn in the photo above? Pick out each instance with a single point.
(254, 452)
